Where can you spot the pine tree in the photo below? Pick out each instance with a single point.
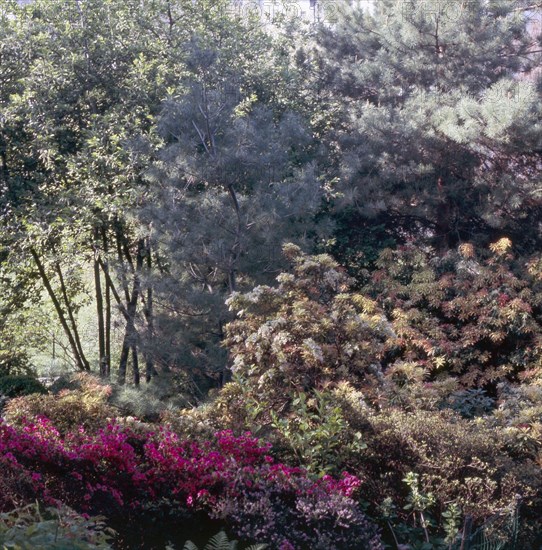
(234, 179)
(439, 129)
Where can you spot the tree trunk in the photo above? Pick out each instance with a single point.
(135, 366)
(236, 247)
(123, 362)
(100, 310)
(107, 305)
(72, 317)
(58, 308)
(149, 315)
(120, 257)
(130, 335)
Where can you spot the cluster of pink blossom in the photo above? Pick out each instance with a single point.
(233, 478)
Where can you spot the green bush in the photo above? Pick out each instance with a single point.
(317, 433)
(15, 386)
(149, 402)
(14, 361)
(29, 528)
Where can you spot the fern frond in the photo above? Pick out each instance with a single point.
(220, 542)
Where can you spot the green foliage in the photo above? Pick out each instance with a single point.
(419, 529)
(220, 541)
(451, 523)
(31, 528)
(16, 386)
(317, 433)
(357, 242)
(470, 403)
(432, 126)
(155, 156)
(14, 361)
(148, 403)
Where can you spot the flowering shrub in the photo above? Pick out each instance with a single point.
(309, 332)
(231, 478)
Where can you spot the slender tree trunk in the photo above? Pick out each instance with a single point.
(113, 290)
(123, 362)
(236, 247)
(149, 315)
(119, 243)
(58, 308)
(107, 328)
(130, 335)
(135, 366)
(100, 309)
(71, 317)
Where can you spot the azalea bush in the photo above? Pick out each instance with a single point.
(123, 472)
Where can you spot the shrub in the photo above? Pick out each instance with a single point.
(317, 433)
(17, 486)
(30, 528)
(86, 406)
(470, 403)
(194, 423)
(150, 401)
(15, 386)
(519, 404)
(118, 471)
(309, 332)
(457, 460)
(470, 317)
(14, 359)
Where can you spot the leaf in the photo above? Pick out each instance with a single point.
(220, 542)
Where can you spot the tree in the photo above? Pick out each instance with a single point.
(438, 134)
(235, 178)
(95, 135)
